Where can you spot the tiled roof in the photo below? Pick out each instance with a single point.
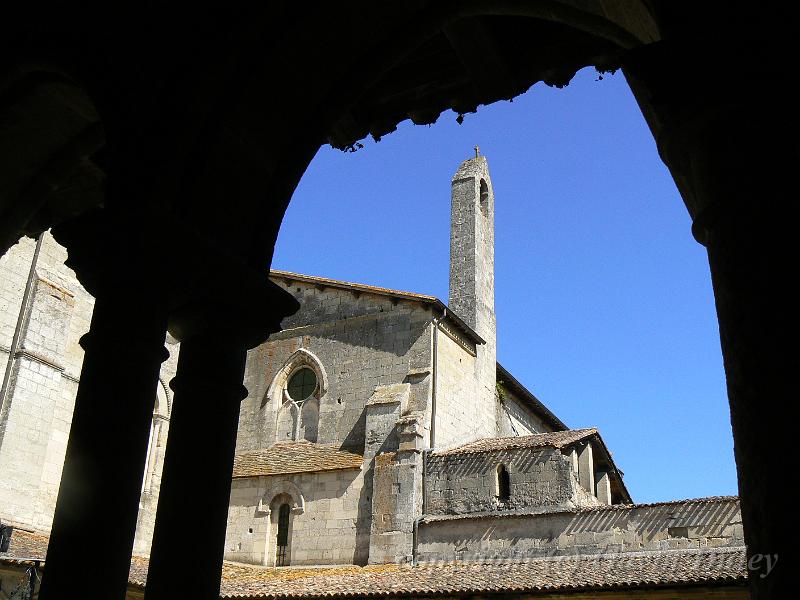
(294, 457)
(549, 510)
(555, 439)
(670, 568)
(25, 545)
(606, 571)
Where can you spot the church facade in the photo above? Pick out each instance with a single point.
(378, 429)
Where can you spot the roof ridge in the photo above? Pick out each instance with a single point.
(377, 288)
(334, 446)
(666, 552)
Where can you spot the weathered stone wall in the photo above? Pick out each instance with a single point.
(458, 484)
(326, 527)
(361, 342)
(396, 504)
(462, 412)
(40, 391)
(514, 417)
(704, 523)
(40, 395)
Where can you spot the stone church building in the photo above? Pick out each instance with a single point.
(379, 429)
(347, 402)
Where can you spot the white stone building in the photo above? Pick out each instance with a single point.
(44, 311)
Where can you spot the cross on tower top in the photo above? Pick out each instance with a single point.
(477, 151)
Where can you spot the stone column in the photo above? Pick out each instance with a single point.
(196, 478)
(753, 297)
(95, 516)
(586, 467)
(603, 487)
(732, 151)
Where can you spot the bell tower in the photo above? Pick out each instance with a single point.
(472, 247)
(472, 262)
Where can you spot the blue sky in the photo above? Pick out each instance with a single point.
(604, 302)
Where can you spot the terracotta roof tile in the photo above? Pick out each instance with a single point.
(672, 505)
(562, 573)
(294, 457)
(25, 544)
(555, 439)
(605, 571)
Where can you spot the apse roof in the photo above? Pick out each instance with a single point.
(294, 457)
(554, 439)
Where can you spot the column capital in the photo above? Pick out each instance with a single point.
(206, 288)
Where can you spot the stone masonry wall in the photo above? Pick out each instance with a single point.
(467, 483)
(462, 413)
(40, 395)
(703, 523)
(514, 417)
(396, 504)
(37, 409)
(327, 531)
(151, 485)
(361, 342)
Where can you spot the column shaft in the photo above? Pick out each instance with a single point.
(98, 500)
(196, 478)
(754, 323)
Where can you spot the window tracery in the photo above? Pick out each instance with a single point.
(296, 393)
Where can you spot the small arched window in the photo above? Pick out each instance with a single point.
(503, 484)
(282, 537)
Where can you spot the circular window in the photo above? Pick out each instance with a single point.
(302, 384)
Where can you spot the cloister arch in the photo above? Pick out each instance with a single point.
(210, 126)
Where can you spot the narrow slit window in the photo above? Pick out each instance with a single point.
(484, 198)
(503, 484)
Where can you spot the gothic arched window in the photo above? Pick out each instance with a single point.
(296, 393)
(157, 440)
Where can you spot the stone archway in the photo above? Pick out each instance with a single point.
(283, 495)
(239, 111)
